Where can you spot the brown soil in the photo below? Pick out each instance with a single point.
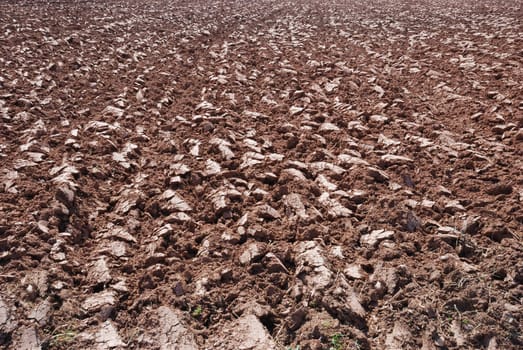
(261, 174)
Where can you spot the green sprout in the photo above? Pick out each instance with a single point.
(64, 337)
(336, 340)
(197, 312)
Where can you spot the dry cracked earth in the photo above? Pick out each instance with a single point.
(261, 174)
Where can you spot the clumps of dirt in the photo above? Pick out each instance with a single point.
(267, 175)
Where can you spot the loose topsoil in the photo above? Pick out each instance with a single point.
(261, 174)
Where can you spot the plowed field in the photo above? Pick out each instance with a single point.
(261, 174)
